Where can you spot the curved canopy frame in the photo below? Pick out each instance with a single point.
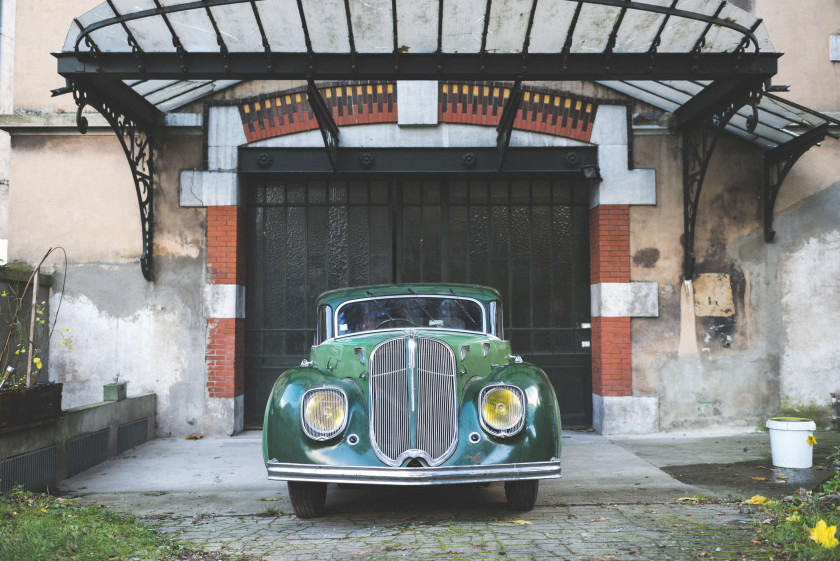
(702, 59)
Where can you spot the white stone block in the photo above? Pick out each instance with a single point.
(610, 127)
(632, 414)
(209, 188)
(224, 301)
(625, 299)
(621, 186)
(417, 102)
(834, 48)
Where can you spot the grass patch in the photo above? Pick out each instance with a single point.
(40, 527)
(804, 525)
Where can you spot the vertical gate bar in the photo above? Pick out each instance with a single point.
(445, 236)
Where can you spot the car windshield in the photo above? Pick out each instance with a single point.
(433, 312)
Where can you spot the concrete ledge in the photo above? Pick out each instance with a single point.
(625, 414)
(75, 423)
(625, 299)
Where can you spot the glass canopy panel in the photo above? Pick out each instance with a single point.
(638, 90)
(70, 40)
(150, 33)
(146, 87)
(508, 24)
(173, 90)
(551, 24)
(373, 25)
(189, 96)
(463, 24)
(417, 25)
(281, 22)
(106, 38)
(193, 28)
(593, 28)
(327, 24)
(639, 28)
(238, 27)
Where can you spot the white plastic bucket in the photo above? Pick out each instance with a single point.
(789, 441)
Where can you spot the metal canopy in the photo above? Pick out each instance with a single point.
(182, 51)
(139, 58)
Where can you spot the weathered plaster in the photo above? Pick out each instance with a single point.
(150, 335)
(796, 284)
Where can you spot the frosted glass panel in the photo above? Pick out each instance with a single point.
(327, 23)
(281, 22)
(508, 23)
(417, 25)
(373, 25)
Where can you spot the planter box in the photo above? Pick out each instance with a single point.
(36, 404)
(114, 391)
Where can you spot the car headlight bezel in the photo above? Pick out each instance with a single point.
(509, 429)
(309, 420)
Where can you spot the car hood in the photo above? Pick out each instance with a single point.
(475, 353)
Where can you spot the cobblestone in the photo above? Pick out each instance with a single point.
(582, 533)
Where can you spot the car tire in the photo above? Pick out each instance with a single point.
(308, 499)
(522, 495)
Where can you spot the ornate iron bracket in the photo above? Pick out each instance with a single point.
(700, 135)
(135, 138)
(777, 163)
(505, 128)
(326, 123)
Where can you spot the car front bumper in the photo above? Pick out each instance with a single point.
(381, 475)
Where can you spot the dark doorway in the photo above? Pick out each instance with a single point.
(526, 236)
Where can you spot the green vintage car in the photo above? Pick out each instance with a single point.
(411, 385)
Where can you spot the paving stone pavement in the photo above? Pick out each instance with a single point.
(616, 532)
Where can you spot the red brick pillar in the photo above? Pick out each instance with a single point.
(224, 303)
(609, 231)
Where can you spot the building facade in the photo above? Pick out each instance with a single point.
(250, 223)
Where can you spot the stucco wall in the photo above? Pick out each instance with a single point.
(750, 338)
(123, 327)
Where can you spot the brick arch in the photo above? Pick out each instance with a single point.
(543, 111)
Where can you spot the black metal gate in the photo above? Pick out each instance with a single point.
(528, 236)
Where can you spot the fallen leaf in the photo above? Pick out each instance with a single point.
(194, 436)
(755, 477)
(520, 522)
(767, 521)
(783, 477)
(266, 499)
(760, 467)
(755, 542)
(565, 543)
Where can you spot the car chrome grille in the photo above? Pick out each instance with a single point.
(412, 384)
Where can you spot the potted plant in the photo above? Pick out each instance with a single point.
(26, 395)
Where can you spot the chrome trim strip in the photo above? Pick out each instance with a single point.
(381, 475)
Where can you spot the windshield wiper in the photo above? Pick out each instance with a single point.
(461, 306)
(378, 305)
(420, 303)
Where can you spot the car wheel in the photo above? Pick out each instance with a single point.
(522, 495)
(308, 499)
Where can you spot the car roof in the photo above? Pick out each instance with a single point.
(478, 292)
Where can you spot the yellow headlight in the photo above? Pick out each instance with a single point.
(502, 409)
(324, 413)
